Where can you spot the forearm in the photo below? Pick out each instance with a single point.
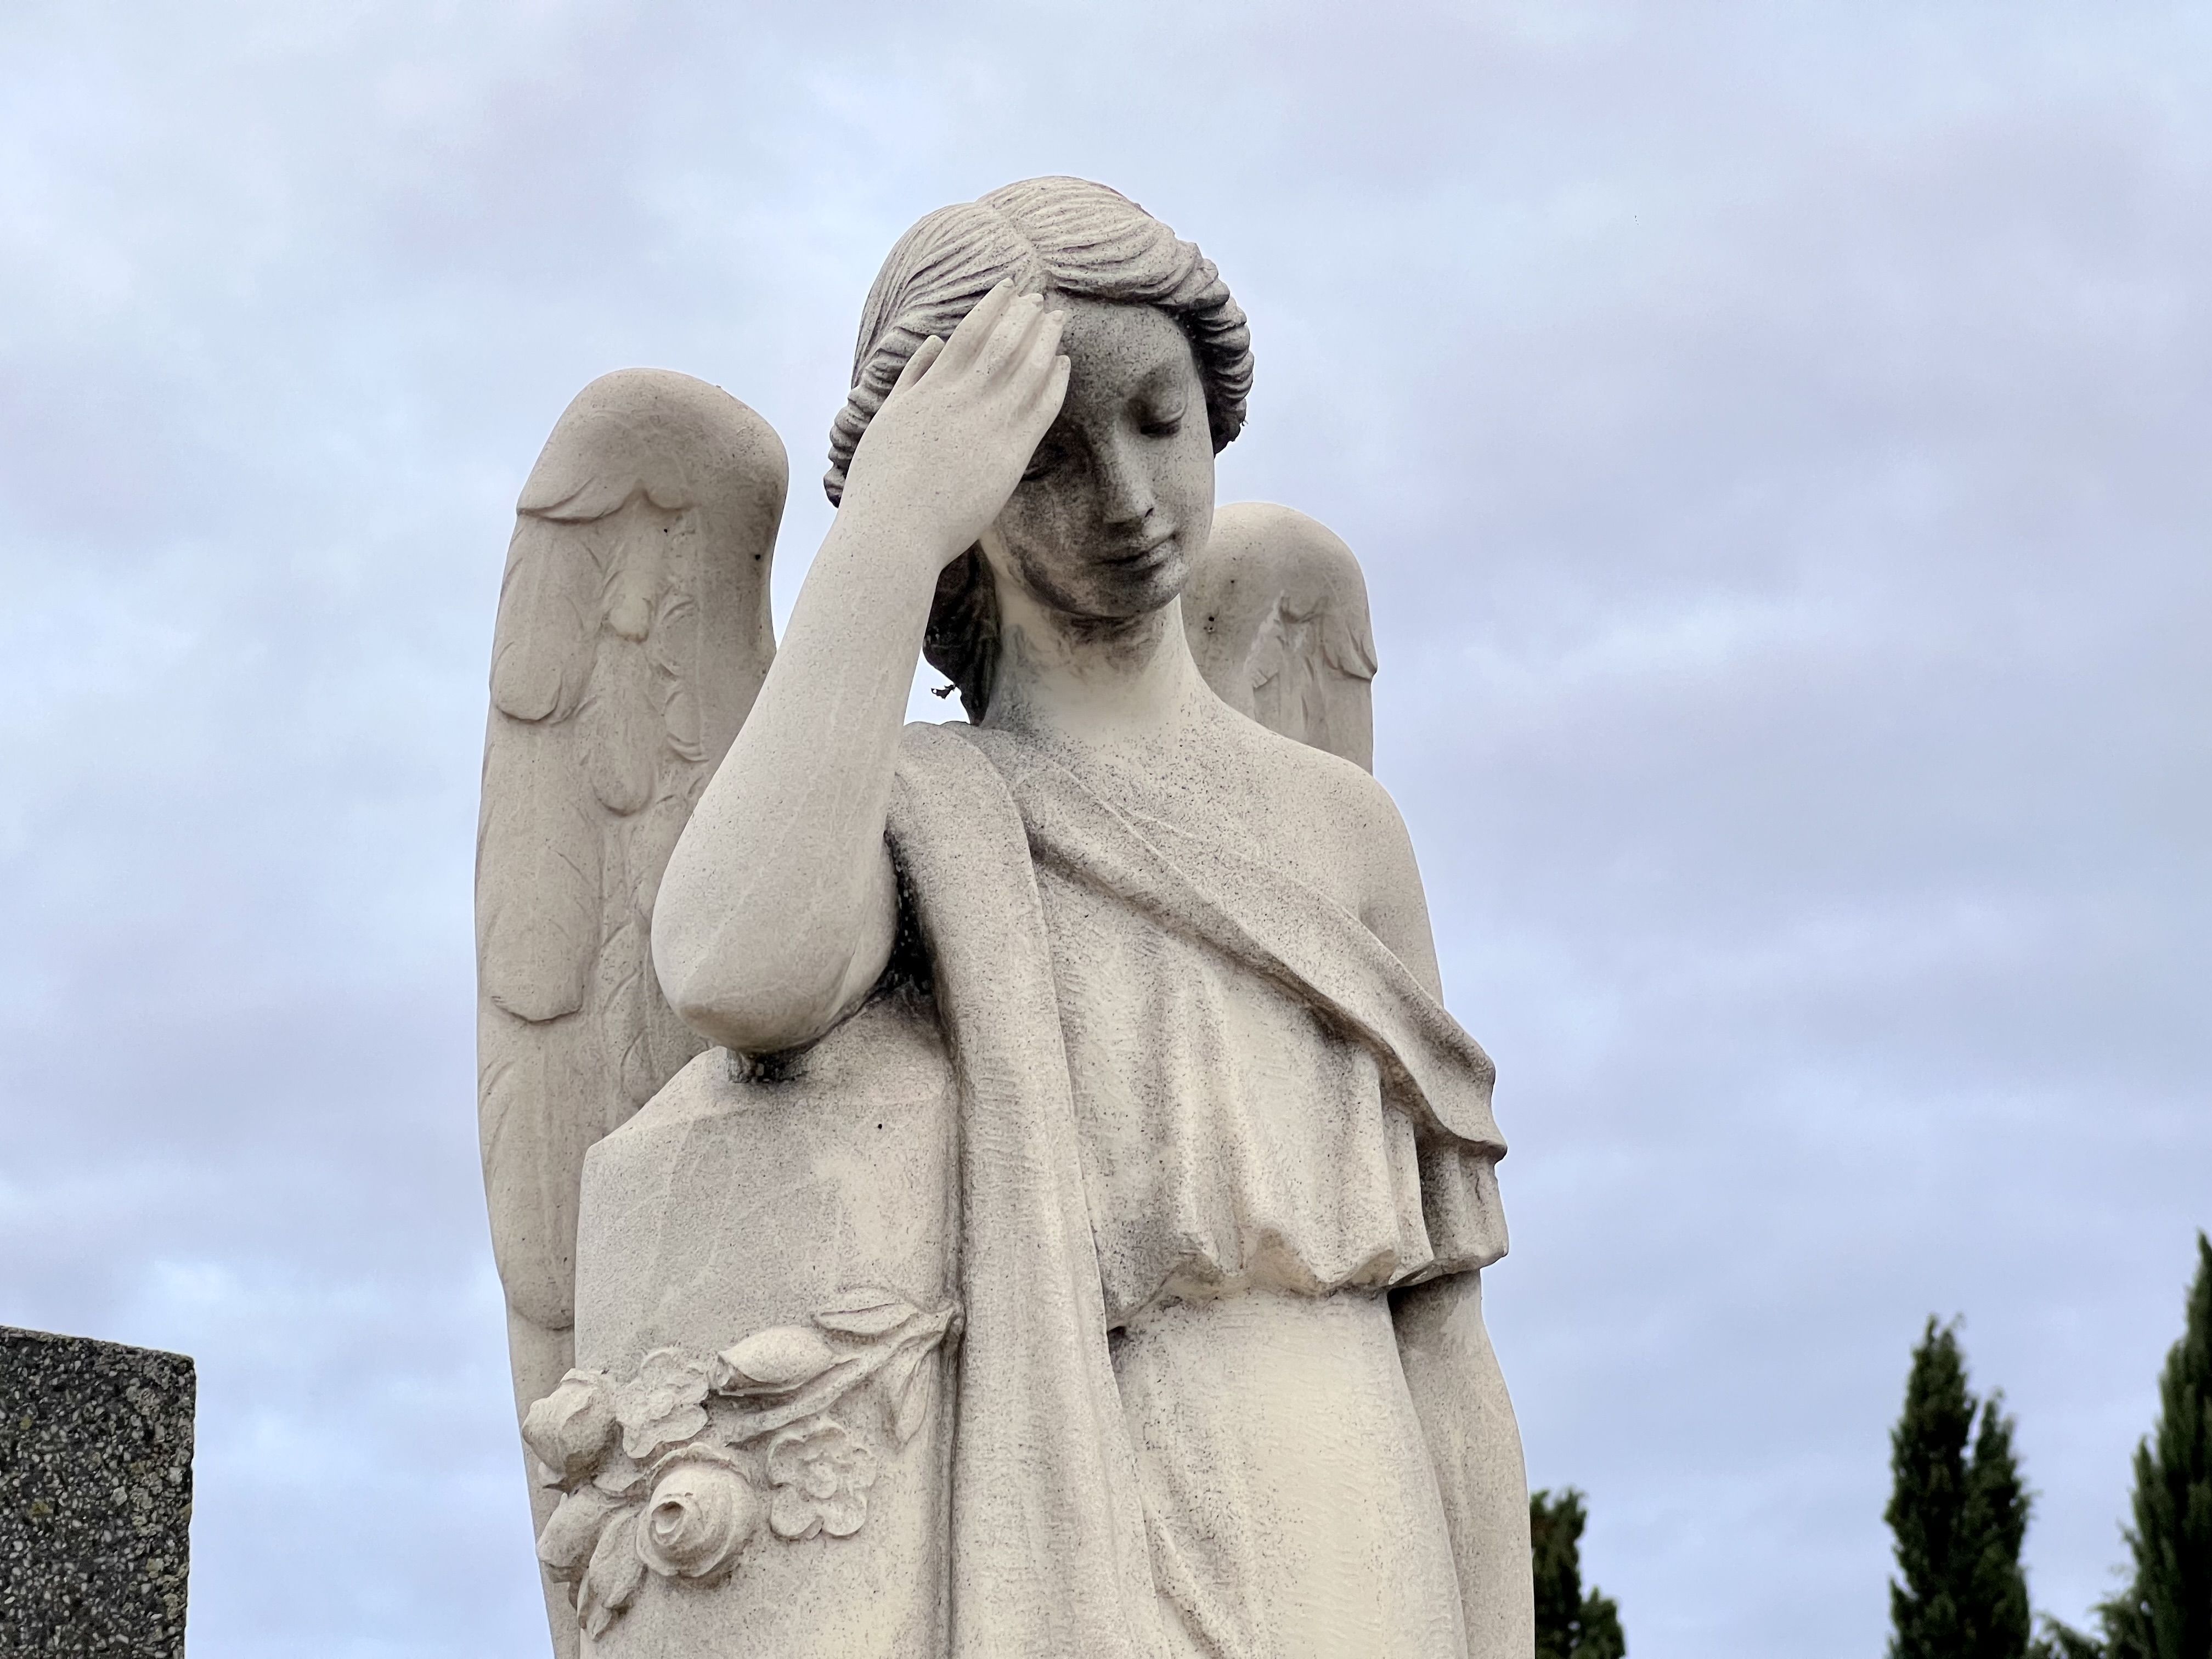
(1466, 1416)
(777, 907)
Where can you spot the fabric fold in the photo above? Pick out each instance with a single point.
(1049, 1558)
(1275, 923)
(1049, 1555)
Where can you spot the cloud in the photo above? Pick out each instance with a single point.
(1775, 438)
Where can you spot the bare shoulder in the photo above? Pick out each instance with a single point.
(1324, 806)
(1331, 822)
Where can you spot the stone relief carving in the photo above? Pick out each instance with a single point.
(679, 1468)
(1097, 1042)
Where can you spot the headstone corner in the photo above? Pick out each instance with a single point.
(95, 1496)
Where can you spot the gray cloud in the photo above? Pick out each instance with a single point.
(1776, 437)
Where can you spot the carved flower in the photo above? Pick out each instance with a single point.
(774, 1360)
(660, 1404)
(700, 1517)
(820, 1476)
(569, 1428)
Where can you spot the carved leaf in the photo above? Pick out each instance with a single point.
(610, 1583)
(571, 1538)
(866, 1312)
(824, 1392)
(910, 1385)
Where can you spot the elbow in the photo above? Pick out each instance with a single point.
(752, 1006)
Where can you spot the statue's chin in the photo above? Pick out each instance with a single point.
(1111, 597)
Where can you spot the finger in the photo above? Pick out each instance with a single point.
(1010, 340)
(976, 327)
(1044, 409)
(1034, 366)
(918, 365)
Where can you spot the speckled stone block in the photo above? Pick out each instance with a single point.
(95, 1496)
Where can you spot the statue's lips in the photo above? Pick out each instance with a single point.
(1136, 558)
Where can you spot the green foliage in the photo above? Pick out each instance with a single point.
(2165, 1612)
(1569, 1625)
(1991, 1530)
(1958, 1520)
(2060, 1640)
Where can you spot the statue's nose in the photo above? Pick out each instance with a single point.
(1125, 486)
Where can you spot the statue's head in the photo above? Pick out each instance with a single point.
(1119, 497)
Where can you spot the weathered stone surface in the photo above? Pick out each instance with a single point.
(1075, 1243)
(95, 1496)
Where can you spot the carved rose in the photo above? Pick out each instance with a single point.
(820, 1476)
(660, 1404)
(569, 1429)
(700, 1518)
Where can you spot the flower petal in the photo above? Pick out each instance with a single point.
(792, 1516)
(841, 1515)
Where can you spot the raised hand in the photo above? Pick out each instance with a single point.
(946, 449)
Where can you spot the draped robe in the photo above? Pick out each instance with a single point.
(1049, 1554)
(938, 1143)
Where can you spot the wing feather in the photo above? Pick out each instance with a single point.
(1276, 612)
(618, 729)
(541, 642)
(537, 871)
(633, 631)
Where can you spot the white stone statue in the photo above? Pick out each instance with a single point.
(1001, 1191)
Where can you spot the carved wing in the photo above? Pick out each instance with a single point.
(1276, 612)
(633, 635)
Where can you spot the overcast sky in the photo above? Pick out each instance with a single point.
(1780, 439)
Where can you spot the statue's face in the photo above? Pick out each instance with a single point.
(1119, 497)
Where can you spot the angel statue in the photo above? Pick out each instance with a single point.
(1007, 1190)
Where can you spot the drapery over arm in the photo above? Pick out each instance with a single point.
(1049, 1560)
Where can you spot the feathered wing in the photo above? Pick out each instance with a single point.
(633, 633)
(1276, 612)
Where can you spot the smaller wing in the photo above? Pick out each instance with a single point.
(1276, 613)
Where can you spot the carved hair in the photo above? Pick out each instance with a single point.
(1066, 234)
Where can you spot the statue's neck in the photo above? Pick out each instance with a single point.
(1095, 685)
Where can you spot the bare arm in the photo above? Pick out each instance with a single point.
(1451, 1371)
(1395, 906)
(779, 907)
(1467, 1417)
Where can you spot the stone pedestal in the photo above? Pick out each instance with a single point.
(95, 1496)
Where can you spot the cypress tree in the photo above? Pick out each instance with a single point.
(1569, 1625)
(1928, 1497)
(1993, 1592)
(2165, 1612)
(1958, 1519)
